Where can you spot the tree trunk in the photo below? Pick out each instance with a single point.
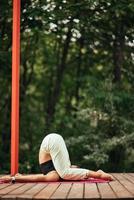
(50, 110)
(78, 72)
(118, 56)
(26, 77)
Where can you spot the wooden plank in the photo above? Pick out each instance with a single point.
(15, 196)
(120, 190)
(124, 176)
(132, 174)
(106, 191)
(47, 192)
(91, 191)
(8, 197)
(129, 177)
(126, 183)
(36, 188)
(24, 197)
(129, 186)
(10, 188)
(118, 176)
(23, 188)
(62, 191)
(77, 191)
(4, 185)
(17, 192)
(28, 194)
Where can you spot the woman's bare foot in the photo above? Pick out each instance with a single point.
(105, 175)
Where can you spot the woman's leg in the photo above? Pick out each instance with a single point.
(54, 145)
(57, 148)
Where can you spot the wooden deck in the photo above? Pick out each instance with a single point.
(121, 188)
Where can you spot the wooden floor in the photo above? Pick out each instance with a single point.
(121, 188)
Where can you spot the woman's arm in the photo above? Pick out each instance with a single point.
(51, 176)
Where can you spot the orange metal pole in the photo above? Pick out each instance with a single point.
(15, 88)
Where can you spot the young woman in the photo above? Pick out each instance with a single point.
(55, 164)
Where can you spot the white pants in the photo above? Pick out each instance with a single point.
(54, 144)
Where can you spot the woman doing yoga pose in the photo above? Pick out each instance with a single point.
(55, 164)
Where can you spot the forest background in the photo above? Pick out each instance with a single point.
(76, 79)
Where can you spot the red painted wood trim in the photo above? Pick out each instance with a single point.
(15, 87)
